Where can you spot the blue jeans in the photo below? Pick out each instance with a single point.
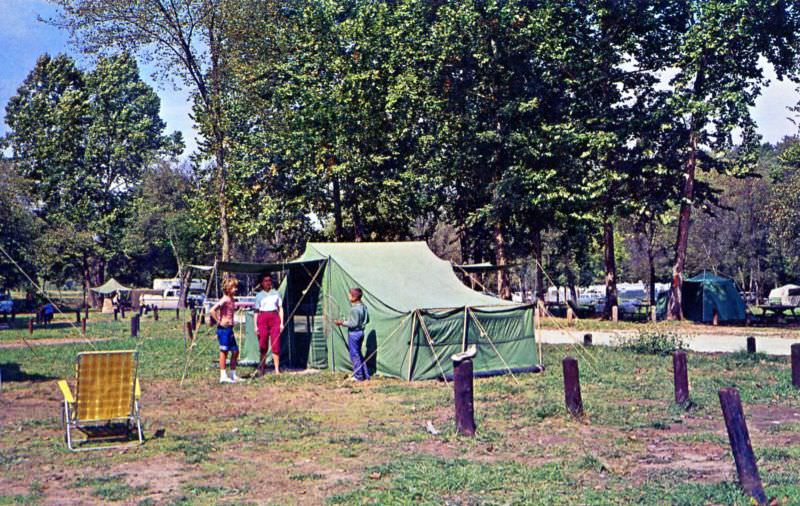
(354, 340)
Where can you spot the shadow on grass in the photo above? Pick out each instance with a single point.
(12, 372)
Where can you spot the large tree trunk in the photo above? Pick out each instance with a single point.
(536, 242)
(216, 115)
(610, 263)
(185, 282)
(675, 310)
(503, 285)
(93, 276)
(337, 210)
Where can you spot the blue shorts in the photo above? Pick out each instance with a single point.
(227, 341)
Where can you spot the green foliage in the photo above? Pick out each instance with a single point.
(653, 342)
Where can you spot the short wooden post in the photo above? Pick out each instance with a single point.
(796, 364)
(86, 311)
(614, 314)
(77, 316)
(681, 378)
(155, 313)
(462, 387)
(189, 333)
(83, 327)
(177, 313)
(751, 344)
(742, 450)
(587, 339)
(194, 319)
(203, 317)
(134, 325)
(653, 314)
(30, 326)
(570, 317)
(116, 313)
(572, 386)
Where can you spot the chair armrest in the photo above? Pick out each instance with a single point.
(137, 391)
(62, 384)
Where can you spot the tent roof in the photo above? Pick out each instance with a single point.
(403, 275)
(258, 268)
(111, 286)
(707, 277)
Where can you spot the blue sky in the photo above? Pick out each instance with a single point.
(23, 39)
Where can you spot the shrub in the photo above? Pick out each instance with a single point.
(652, 342)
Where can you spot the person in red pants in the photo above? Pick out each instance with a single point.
(269, 323)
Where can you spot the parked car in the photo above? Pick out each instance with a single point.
(6, 304)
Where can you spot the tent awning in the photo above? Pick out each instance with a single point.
(258, 268)
(111, 286)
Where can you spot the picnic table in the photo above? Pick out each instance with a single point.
(778, 311)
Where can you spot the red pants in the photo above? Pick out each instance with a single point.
(269, 328)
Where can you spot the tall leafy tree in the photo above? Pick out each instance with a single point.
(719, 60)
(85, 140)
(184, 41)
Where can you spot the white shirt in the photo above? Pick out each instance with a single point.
(268, 301)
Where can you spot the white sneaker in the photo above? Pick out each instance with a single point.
(223, 378)
(234, 377)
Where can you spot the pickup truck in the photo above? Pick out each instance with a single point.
(169, 299)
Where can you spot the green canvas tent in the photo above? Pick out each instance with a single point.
(705, 294)
(420, 313)
(110, 286)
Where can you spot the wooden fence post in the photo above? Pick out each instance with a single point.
(462, 387)
(77, 316)
(155, 313)
(681, 378)
(742, 450)
(177, 313)
(572, 386)
(30, 326)
(751, 344)
(587, 339)
(116, 314)
(83, 327)
(135, 325)
(796, 364)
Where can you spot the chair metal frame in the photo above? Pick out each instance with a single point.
(70, 420)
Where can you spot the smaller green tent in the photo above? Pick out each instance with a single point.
(704, 295)
(110, 286)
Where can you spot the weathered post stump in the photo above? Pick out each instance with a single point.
(751, 344)
(653, 314)
(83, 327)
(681, 378)
(116, 314)
(194, 319)
(462, 387)
(570, 317)
(134, 325)
(77, 316)
(86, 311)
(155, 313)
(189, 333)
(587, 339)
(615, 314)
(177, 313)
(796, 364)
(572, 386)
(30, 326)
(742, 450)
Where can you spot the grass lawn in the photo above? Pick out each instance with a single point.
(317, 438)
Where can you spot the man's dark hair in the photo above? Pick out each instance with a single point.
(357, 292)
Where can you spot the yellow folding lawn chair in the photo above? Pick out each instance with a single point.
(106, 404)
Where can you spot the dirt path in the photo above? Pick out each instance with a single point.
(707, 343)
(49, 342)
